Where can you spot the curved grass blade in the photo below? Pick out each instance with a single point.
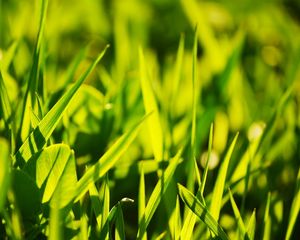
(157, 194)
(294, 212)
(107, 161)
(40, 135)
(201, 211)
(216, 202)
(154, 124)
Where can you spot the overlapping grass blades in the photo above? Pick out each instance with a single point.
(40, 135)
(107, 161)
(157, 194)
(201, 211)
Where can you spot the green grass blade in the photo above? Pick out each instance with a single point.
(294, 212)
(8, 56)
(201, 211)
(157, 194)
(177, 70)
(267, 220)
(119, 230)
(210, 141)
(240, 223)
(154, 124)
(216, 202)
(107, 161)
(40, 135)
(5, 102)
(142, 199)
(104, 200)
(4, 171)
(251, 226)
(55, 224)
(33, 82)
(96, 204)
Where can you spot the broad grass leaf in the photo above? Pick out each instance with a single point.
(38, 138)
(157, 195)
(201, 211)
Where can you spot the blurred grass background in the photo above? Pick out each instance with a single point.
(249, 56)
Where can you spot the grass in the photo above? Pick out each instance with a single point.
(149, 120)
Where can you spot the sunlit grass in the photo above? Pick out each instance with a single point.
(186, 127)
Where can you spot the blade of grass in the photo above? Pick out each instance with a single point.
(267, 220)
(201, 211)
(251, 226)
(142, 199)
(5, 103)
(55, 224)
(119, 230)
(154, 124)
(207, 160)
(33, 82)
(96, 204)
(215, 206)
(241, 226)
(157, 194)
(107, 161)
(40, 135)
(104, 196)
(4, 172)
(294, 212)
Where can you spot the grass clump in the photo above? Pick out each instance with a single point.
(149, 120)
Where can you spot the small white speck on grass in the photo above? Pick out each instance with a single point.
(127, 200)
(256, 130)
(213, 160)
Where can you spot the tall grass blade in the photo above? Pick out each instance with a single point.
(5, 103)
(210, 141)
(267, 220)
(154, 124)
(96, 203)
(142, 199)
(104, 196)
(38, 138)
(216, 202)
(240, 223)
(4, 172)
(294, 212)
(33, 82)
(157, 195)
(107, 161)
(251, 226)
(201, 211)
(119, 230)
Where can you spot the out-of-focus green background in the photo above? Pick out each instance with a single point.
(249, 55)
